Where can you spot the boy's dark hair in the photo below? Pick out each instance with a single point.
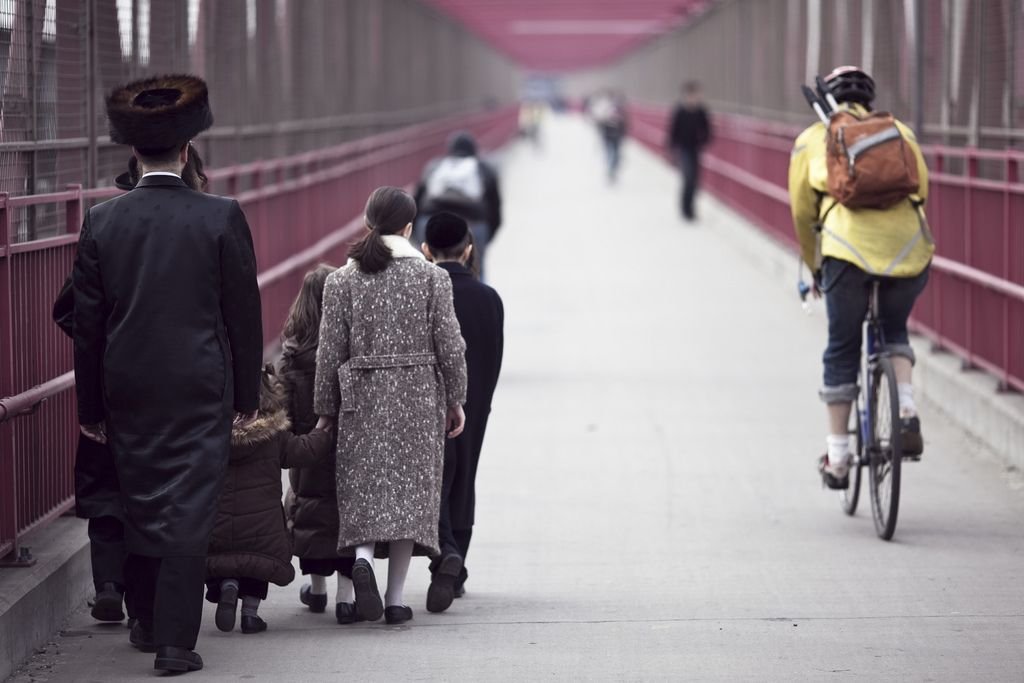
(691, 87)
(303, 323)
(388, 211)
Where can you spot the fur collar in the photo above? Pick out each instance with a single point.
(263, 428)
(401, 247)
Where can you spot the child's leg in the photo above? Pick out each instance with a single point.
(250, 605)
(346, 592)
(399, 555)
(318, 584)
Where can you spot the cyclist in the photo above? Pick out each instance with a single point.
(848, 248)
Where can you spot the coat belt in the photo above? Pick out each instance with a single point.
(346, 389)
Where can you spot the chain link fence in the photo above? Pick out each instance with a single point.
(285, 76)
(954, 69)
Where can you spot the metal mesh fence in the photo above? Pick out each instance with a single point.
(952, 68)
(285, 76)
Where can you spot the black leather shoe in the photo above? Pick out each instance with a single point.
(910, 438)
(141, 637)
(227, 606)
(177, 659)
(253, 624)
(315, 603)
(368, 603)
(442, 583)
(397, 614)
(460, 590)
(107, 606)
(345, 613)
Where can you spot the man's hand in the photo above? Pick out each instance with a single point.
(97, 432)
(245, 419)
(455, 421)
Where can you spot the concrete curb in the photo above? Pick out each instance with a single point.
(35, 602)
(970, 398)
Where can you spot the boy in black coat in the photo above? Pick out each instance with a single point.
(481, 315)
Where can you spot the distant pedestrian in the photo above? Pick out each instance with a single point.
(608, 110)
(97, 491)
(481, 316)
(464, 184)
(391, 370)
(312, 502)
(168, 346)
(250, 547)
(689, 132)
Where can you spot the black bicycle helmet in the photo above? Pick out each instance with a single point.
(851, 84)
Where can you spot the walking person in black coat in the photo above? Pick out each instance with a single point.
(449, 244)
(168, 348)
(97, 491)
(688, 134)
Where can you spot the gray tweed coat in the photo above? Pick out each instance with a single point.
(391, 360)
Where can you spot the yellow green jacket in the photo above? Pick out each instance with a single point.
(895, 242)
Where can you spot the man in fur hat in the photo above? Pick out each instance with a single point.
(168, 347)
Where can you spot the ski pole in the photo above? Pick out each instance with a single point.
(816, 104)
(825, 93)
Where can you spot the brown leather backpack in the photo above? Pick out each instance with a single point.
(870, 164)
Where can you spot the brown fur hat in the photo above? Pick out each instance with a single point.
(159, 113)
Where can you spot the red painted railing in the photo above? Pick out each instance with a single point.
(974, 304)
(302, 209)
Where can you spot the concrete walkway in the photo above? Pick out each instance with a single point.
(649, 507)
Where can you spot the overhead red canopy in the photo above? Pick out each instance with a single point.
(568, 35)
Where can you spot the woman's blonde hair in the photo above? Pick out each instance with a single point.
(303, 324)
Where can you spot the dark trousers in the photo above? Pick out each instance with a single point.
(689, 166)
(327, 566)
(106, 546)
(457, 491)
(168, 593)
(253, 588)
(847, 291)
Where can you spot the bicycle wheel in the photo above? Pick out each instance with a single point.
(849, 498)
(883, 450)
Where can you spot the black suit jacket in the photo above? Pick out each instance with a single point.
(168, 344)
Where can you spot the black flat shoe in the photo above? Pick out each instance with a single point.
(442, 583)
(107, 605)
(345, 613)
(177, 659)
(368, 603)
(227, 607)
(315, 603)
(397, 614)
(253, 624)
(141, 637)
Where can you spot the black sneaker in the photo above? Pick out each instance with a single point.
(368, 603)
(315, 602)
(141, 637)
(910, 438)
(227, 606)
(835, 479)
(108, 602)
(397, 614)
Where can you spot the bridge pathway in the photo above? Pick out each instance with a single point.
(648, 505)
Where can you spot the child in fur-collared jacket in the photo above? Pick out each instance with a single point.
(250, 546)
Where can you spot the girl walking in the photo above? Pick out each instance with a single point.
(391, 371)
(312, 505)
(250, 547)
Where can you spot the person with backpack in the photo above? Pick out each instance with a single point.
(463, 184)
(857, 190)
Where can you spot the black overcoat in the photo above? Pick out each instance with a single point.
(481, 316)
(168, 345)
(97, 492)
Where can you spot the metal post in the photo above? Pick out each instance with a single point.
(918, 85)
(8, 489)
(91, 66)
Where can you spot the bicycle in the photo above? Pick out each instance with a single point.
(875, 427)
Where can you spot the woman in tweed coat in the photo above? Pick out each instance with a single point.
(391, 370)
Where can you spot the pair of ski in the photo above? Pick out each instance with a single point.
(821, 100)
